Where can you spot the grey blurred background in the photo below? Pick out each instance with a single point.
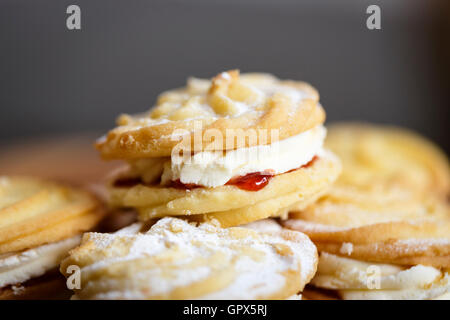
(54, 81)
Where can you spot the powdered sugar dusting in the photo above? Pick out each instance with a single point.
(180, 254)
(346, 248)
(297, 224)
(310, 251)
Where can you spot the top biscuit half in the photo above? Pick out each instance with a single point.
(230, 104)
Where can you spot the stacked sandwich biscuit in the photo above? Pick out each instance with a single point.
(208, 157)
(383, 230)
(252, 148)
(177, 260)
(40, 222)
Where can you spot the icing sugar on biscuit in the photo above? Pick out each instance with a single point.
(256, 102)
(354, 279)
(346, 248)
(176, 260)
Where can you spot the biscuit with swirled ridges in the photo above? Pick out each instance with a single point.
(379, 213)
(389, 226)
(40, 221)
(252, 180)
(379, 204)
(253, 102)
(362, 280)
(178, 260)
(390, 155)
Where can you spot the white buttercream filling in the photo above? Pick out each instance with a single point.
(22, 266)
(213, 169)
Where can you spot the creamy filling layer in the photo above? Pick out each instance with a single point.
(213, 169)
(356, 279)
(22, 266)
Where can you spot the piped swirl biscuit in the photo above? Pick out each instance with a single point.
(377, 205)
(388, 211)
(390, 156)
(34, 212)
(40, 221)
(177, 260)
(252, 179)
(358, 280)
(230, 101)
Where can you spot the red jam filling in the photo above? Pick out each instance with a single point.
(250, 182)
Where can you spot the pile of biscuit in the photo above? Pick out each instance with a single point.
(383, 230)
(238, 196)
(40, 222)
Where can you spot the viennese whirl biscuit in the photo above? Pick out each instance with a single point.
(259, 154)
(40, 222)
(177, 260)
(385, 219)
(389, 155)
(356, 279)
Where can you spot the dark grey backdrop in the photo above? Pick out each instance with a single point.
(55, 80)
